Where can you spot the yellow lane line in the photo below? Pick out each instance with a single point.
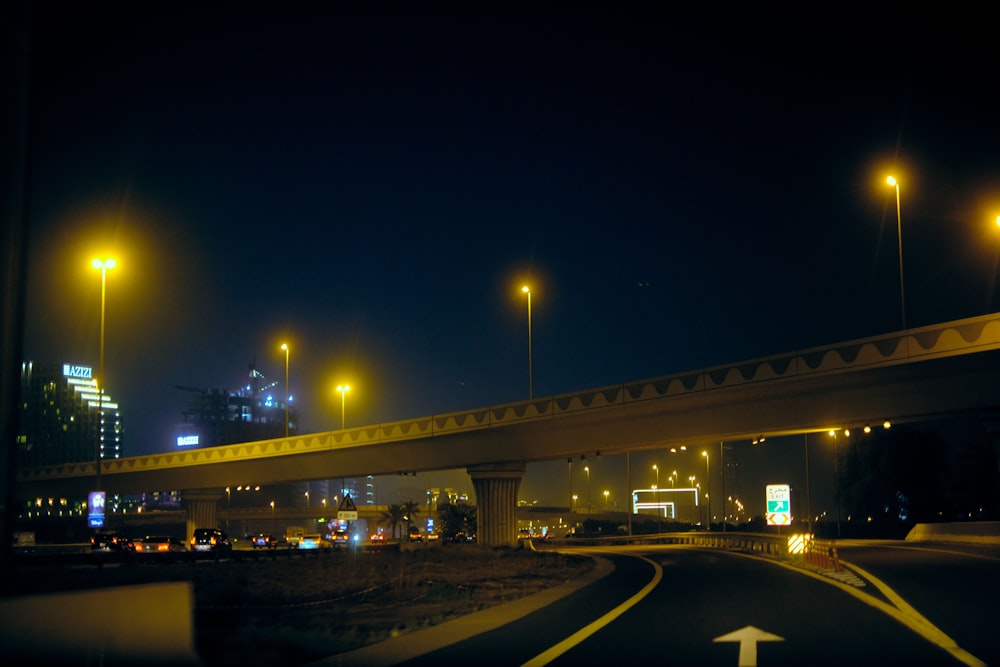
(557, 650)
(904, 614)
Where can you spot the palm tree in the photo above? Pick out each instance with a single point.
(411, 509)
(392, 518)
(457, 518)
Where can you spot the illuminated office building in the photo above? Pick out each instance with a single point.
(63, 417)
(226, 416)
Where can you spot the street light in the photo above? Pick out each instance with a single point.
(708, 491)
(606, 494)
(284, 346)
(586, 469)
(527, 290)
(343, 389)
(104, 265)
(899, 235)
(836, 470)
(656, 496)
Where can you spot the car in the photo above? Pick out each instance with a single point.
(313, 541)
(211, 539)
(378, 538)
(264, 541)
(111, 541)
(159, 544)
(416, 535)
(340, 539)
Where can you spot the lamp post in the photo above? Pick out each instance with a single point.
(836, 470)
(586, 469)
(708, 491)
(527, 290)
(606, 494)
(343, 389)
(569, 467)
(899, 235)
(691, 479)
(656, 496)
(809, 511)
(104, 265)
(284, 346)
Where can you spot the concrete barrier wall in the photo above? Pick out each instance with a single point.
(149, 625)
(976, 532)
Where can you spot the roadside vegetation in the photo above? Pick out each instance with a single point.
(290, 611)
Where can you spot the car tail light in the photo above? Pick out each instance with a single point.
(163, 547)
(193, 542)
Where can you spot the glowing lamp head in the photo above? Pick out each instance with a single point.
(891, 180)
(526, 289)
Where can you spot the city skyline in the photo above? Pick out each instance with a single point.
(372, 187)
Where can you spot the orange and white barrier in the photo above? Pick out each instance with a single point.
(822, 553)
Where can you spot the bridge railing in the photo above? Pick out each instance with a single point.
(775, 546)
(977, 333)
(946, 339)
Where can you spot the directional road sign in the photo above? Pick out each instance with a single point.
(779, 505)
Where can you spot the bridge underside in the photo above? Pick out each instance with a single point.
(917, 375)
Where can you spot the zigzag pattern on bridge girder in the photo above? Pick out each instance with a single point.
(942, 340)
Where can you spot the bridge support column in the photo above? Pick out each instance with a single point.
(202, 507)
(496, 486)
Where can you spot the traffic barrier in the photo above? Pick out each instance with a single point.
(822, 553)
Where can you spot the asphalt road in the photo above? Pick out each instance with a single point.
(676, 605)
(954, 586)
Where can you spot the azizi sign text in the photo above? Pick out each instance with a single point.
(82, 372)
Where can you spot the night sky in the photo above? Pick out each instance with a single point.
(373, 182)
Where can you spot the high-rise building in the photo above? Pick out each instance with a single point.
(226, 416)
(64, 418)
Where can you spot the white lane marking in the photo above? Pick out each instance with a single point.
(748, 636)
(550, 654)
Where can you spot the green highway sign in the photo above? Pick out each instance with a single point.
(779, 504)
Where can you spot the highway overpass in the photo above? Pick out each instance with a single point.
(913, 375)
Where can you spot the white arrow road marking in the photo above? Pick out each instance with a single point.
(748, 638)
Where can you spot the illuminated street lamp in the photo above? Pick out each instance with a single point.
(656, 496)
(586, 469)
(899, 234)
(343, 389)
(527, 290)
(708, 491)
(104, 266)
(836, 470)
(606, 494)
(574, 501)
(284, 346)
(673, 479)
